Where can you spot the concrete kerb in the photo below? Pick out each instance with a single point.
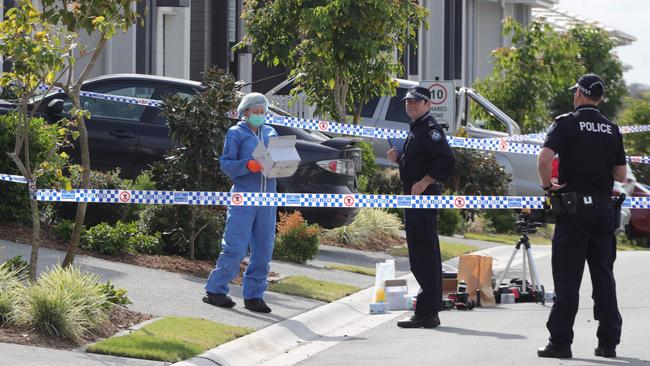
(296, 339)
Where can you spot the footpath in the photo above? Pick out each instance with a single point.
(309, 332)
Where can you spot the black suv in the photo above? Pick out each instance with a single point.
(132, 137)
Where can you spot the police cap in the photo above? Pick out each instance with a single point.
(418, 93)
(591, 85)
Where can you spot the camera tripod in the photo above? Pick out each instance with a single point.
(525, 227)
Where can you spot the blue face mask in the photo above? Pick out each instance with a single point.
(256, 119)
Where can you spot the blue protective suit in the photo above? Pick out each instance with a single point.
(247, 227)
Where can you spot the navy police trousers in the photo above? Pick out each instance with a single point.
(587, 235)
(424, 255)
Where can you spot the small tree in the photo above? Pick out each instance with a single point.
(342, 51)
(199, 124)
(637, 112)
(541, 64)
(102, 19)
(597, 56)
(37, 52)
(477, 173)
(530, 80)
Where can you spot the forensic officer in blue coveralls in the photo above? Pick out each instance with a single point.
(426, 162)
(590, 148)
(247, 227)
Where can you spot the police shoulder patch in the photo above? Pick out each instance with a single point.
(550, 129)
(435, 135)
(563, 116)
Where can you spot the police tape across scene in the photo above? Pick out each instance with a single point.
(303, 199)
(488, 144)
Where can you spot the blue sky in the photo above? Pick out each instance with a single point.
(629, 16)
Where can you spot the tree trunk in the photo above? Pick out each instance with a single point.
(192, 223)
(36, 238)
(85, 184)
(85, 154)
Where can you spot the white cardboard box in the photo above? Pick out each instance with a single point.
(395, 291)
(280, 159)
(378, 308)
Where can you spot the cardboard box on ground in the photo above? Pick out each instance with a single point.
(280, 159)
(476, 271)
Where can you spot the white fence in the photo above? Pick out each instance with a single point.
(296, 106)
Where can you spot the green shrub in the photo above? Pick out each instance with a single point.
(109, 213)
(17, 263)
(171, 222)
(385, 181)
(103, 238)
(501, 221)
(144, 243)
(10, 285)
(122, 237)
(449, 221)
(63, 229)
(113, 295)
(64, 302)
(14, 205)
(296, 241)
(477, 173)
(371, 225)
(368, 166)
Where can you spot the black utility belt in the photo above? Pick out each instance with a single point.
(571, 202)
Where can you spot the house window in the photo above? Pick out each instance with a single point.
(453, 55)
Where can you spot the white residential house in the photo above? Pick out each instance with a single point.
(181, 37)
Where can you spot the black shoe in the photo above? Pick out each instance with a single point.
(553, 352)
(605, 352)
(220, 300)
(419, 321)
(257, 305)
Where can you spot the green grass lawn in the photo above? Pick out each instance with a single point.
(312, 289)
(621, 244)
(351, 268)
(507, 238)
(170, 339)
(447, 250)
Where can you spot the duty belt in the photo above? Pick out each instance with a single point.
(588, 200)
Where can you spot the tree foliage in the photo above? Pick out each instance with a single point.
(530, 79)
(37, 51)
(596, 54)
(102, 19)
(199, 125)
(637, 112)
(526, 77)
(341, 51)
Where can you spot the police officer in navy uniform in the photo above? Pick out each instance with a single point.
(426, 162)
(591, 153)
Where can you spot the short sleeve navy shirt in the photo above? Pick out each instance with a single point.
(589, 146)
(426, 152)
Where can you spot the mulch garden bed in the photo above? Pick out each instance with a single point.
(119, 319)
(171, 263)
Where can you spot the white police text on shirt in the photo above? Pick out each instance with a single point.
(595, 127)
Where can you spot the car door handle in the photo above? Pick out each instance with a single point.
(121, 134)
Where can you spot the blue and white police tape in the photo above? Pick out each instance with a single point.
(303, 199)
(286, 199)
(111, 97)
(489, 144)
(540, 136)
(341, 128)
(634, 129)
(13, 178)
(502, 145)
